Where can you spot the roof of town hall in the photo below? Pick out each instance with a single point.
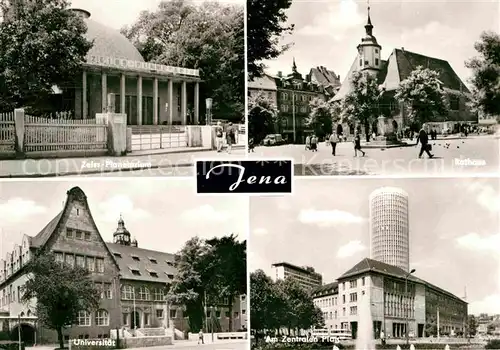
(127, 258)
(399, 66)
(375, 266)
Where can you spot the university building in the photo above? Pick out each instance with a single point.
(304, 276)
(396, 298)
(391, 72)
(133, 281)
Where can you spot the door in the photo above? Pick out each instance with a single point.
(420, 330)
(354, 330)
(135, 320)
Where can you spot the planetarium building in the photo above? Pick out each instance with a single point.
(116, 78)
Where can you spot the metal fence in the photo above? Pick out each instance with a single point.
(54, 135)
(7, 133)
(150, 137)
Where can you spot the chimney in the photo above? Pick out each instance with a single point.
(81, 13)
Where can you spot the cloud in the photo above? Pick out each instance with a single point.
(350, 249)
(121, 204)
(335, 20)
(205, 213)
(489, 305)
(486, 196)
(327, 218)
(474, 241)
(260, 231)
(437, 30)
(16, 210)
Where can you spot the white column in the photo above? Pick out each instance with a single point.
(196, 103)
(170, 101)
(155, 101)
(84, 96)
(139, 100)
(104, 88)
(122, 93)
(184, 103)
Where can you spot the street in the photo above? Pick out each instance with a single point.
(169, 164)
(452, 157)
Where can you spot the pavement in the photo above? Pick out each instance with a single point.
(158, 164)
(178, 344)
(475, 155)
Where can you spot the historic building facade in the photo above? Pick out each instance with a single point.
(396, 299)
(391, 72)
(133, 281)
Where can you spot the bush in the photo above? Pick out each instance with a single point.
(10, 345)
(493, 344)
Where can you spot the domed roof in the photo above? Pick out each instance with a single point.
(108, 42)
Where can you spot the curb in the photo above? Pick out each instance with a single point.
(93, 172)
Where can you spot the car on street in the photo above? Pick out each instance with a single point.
(273, 140)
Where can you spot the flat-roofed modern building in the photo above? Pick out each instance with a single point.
(305, 276)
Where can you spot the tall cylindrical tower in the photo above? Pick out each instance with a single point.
(389, 232)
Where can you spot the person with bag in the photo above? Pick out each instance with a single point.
(424, 144)
(333, 142)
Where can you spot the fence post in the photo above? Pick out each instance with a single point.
(20, 130)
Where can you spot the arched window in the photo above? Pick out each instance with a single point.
(159, 294)
(127, 292)
(84, 318)
(144, 293)
(22, 314)
(102, 318)
(29, 313)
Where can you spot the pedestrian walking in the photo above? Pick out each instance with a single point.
(357, 144)
(201, 339)
(314, 143)
(230, 137)
(308, 142)
(424, 144)
(251, 145)
(382, 337)
(219, 133)
(333, 142)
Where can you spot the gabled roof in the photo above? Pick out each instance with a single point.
(42, 237)
(165, 263)
(323, 76)
(374, 266)
(326, 289)
(266, 82)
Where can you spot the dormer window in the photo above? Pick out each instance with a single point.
(135, 272)
(117, 255)
(136, 258)
(153, 261)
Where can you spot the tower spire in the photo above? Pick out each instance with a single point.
(369, 26)
(294, 66)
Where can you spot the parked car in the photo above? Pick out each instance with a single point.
(273, 140)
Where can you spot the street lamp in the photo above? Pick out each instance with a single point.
(208, 105)
(407, 309)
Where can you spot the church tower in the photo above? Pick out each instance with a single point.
(369, 50)
(121, 235)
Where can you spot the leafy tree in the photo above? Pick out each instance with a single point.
(422, 92)
(431, 327)
(472, 325)
(228, 274)
(361, 103)
(486, 77)
(61, 292)
(188, 287)
(263, 117)
(490, 328)
(265, 302)
(265, 27)
(322, 116)
(42, 44)
(209, 37)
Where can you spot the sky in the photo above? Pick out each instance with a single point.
(327, 32)
(118, 13)
(162, 214)
(454, 231)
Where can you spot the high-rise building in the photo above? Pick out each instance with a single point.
(305, 276)
(389, 231)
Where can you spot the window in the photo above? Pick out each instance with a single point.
(153, 261)
(77, 212)
(236, 314)
(454, 103)
(135, 272)
(354, 310)
(69, 233)
(117, 255)
(144, 293)
(59, 257)
(84, 318)
(100, 264)
(159, 313)
(169, 263)
(108, 293)
(343, 312)
(363, 281)
(98, 287)
(363, 292)
(343, 286)
(127, 292)
(146, 319)
(343, 299)
(353, 297)
(376, 61)
(217, 314)
(353, 284)
(360, 62)
(153, 274)
(227, 314)
(90, 264)
(101, 318)
(136, 258)
(173, 313)
(69, 259)
(78, 234)
(80, 261)
(169, 275)
(159, 294)
(366, 63)
(87, 236)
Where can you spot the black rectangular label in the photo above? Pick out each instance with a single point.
(261, 176)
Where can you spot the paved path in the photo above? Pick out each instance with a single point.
(187, 344)
(452, 157)
(172, 164)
